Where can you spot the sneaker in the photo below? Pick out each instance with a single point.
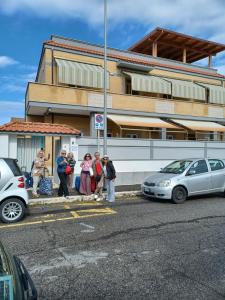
(35, 195)
(67, 197)
(98, 199)
(95, 197)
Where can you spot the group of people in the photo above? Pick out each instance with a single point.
(39, 170)
(98, 172)
(103, 173)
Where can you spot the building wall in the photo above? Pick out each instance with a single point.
(134, 159)
(81, 96)
(4, 145)
(81, 123)
(34, 118)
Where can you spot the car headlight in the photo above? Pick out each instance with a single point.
(164, 183)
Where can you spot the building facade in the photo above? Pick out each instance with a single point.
(155, 90)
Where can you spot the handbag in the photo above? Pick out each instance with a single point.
(68, 170)
(91, 171)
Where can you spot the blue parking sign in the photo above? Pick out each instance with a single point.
(99, 121)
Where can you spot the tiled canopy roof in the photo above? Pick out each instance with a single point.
(132, 60)
(38, 127)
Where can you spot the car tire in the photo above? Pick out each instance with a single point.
(179, 195)
(12, 210)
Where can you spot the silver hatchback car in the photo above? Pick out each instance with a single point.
(187, 177)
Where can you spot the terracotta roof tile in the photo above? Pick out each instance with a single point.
(38, 127)
(132, 60)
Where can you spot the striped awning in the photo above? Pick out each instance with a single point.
(124, 120)
(80, 74)
(149, 83)
(200, 125)
(216, 93)
(187, 89)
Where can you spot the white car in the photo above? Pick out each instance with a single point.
(13, 194)
(186, 177)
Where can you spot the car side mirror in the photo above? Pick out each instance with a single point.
(191, 172)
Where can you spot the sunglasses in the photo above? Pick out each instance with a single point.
(87, 156)
(63, 153)
(105, 158)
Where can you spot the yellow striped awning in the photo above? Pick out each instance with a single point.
(149, 83)
(200, 125)
(124, 120)
(80, 74)
(187, 89)
(216, 93)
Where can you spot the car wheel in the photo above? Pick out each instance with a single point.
(179, 195)
(12, 210)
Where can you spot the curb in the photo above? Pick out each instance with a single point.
(80, 198)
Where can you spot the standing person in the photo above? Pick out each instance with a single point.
(62, 163)
(110, 176)
(85, 177)
(38, 170)
(71, 161)
(98, 176)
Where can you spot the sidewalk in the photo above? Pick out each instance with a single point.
(121, 192)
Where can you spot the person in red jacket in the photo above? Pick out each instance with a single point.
(98, 176)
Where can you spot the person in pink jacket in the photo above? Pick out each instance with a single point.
(85, 177)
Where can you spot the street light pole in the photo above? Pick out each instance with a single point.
(105, 77)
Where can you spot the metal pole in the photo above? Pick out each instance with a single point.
(105, 77)
(98, 137)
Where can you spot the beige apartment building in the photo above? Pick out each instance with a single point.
(156, 90)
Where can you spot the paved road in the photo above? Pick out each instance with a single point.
(136, 249)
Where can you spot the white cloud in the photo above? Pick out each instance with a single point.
(11, 109)
(193, 16)
(6, 61)
(16, 82)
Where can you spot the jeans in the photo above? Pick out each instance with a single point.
(110, 190)
(63, 190)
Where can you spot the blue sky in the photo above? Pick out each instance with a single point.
(25, 24)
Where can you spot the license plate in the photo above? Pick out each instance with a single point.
(147, 190)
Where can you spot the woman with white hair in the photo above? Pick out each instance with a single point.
(38, 170)
(110, 176)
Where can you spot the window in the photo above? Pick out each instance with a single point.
(128, 86)
(132, 135)
(176, 167)
(199, 167)
(12, 163)
(216, 164)
(169, 137)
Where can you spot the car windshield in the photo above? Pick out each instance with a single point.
(176, 167)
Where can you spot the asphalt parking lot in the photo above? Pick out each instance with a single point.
(134, 249)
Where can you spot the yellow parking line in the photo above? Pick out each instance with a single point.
(88, 203)
(95, 215)
(75, 215)
(97, 210)
(66, 206)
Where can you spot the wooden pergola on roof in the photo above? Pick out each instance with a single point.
(176, 46)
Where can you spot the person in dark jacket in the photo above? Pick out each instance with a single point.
(110, 176)
(62, 163)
